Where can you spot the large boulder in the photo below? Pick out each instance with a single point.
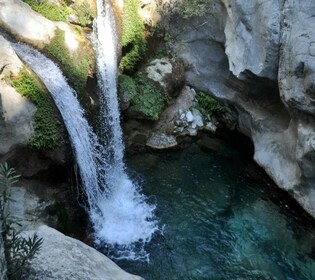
(22, 22)
(62, 257)
(168, 75)
(28, 25)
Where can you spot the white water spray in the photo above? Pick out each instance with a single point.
(126, 221)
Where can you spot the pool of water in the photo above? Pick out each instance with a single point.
(216, 225)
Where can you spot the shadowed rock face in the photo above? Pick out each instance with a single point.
(258, 57)
(16, 112)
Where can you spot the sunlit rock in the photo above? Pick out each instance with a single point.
(20, 20)
(62, 257)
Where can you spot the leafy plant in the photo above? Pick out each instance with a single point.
(47, 132)
(50, 10)
(75, 69)
(133, 42)
(84, 12)
(18, 250)
(146, 100)
(207, 105)
(8, 176)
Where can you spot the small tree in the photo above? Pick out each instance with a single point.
(18, 250)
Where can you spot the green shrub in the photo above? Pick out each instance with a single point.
(47, 135)
(146, 100)
(207, 105)
(50, 10)
(75, 69)
(133, 42)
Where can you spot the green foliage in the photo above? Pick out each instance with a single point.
(75, 71)
(61, 11)
(146, 100)
(8, 176)
(207, 105)
(50, 10)
(185, 8)
(47, 135)
(22, 250)
(133, 42)
(84, 12)
(18, 250)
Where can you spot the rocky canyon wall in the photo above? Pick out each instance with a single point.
(258, 57)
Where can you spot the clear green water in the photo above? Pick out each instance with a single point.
(217, 226)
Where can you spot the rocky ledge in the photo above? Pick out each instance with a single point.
(61, 257)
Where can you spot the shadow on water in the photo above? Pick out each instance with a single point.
(218, 224)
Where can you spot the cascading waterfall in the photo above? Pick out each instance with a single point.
(118, 211)
(84, 142)
(125, 220)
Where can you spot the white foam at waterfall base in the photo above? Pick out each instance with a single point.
(129, 220)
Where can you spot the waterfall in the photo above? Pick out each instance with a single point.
(123, 221)
(126, 221)
(84, 142)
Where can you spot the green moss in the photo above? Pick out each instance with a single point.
(146, 100)
(61, 11)
(76, 69)
(47, 123)
(133, 42)
(207, 105)
(50, 10)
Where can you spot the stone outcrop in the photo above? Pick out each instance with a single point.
(16, 112)
(168, 75)
(258, 57)
(62, 257)
(252, 33)
(37, 30)
(179, 119)
(22, 22)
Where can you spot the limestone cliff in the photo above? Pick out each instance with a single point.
(258, 57)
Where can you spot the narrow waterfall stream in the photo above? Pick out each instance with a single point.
(84, 142)
(125, 221)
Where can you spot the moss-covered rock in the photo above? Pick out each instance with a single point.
(50, 10)
(48, 126)
(146, 101)
(77, 65)
(82, 10)
(133, 41)
(207, 105)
